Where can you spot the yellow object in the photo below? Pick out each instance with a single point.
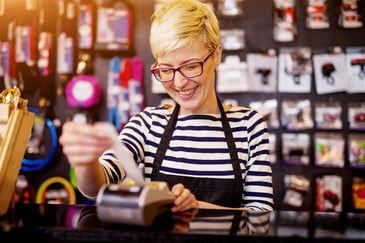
(16, 132)
(40, 197)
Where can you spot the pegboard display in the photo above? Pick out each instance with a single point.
(313, 105)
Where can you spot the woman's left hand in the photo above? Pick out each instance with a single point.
(183, 220)
(185, 200)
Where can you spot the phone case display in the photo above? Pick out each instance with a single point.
(295, 148)
(269, 110)
(356, 115)
(329, 150)
(350, 14)
(355, 66)
(317, 14)
(358, 192)
(284, 18)
(328, 193)
(296, 114)
(232, 75)
(262, 72)
(328, 115)
(356, 144)
(295, 70)
(330, 76)
(296, 190)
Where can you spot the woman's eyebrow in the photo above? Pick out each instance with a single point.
(195, 59)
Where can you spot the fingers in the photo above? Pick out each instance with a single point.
(184, 199)
(83, 143)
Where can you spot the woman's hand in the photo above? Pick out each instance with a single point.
(185, 200)
(183, 220)
(83, 143)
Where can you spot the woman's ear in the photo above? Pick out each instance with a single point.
(218, 56)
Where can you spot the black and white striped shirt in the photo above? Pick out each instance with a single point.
(198, 148)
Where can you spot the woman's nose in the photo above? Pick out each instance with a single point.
(179, 80)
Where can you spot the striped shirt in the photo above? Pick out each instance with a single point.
(198, 148)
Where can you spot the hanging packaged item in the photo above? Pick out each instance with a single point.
(317, 14)
(330, 76)
(7, 63)
(296, 190)
(86, 24)
(296, 148)
(328, 193)
(295, 70)
(350, 14)
(114, 29)
(7, 46)
(262, 71)
(269, 110)
(233, 39)
(123, 99)
(66, 43)
(135, 87)
(296, 114)
(230, 8)
(329, 150)
(46, 61)
(358, 192)
(356, 151)
(26, 31)
(284, 18)
(232, 75)
(26, 40)
(125, 89)
(328, 115)
(355, 68)
(356, 115)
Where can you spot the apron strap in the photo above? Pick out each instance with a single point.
(165, 140)
(231, 144)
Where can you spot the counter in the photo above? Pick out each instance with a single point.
(80, 223)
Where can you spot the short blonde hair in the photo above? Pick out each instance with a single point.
(180, 23)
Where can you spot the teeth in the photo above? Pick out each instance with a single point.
(186, 92)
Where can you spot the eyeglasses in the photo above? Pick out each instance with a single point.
(188, 70)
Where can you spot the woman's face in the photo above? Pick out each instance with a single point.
(197, 94)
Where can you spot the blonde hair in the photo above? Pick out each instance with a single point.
(180, 23)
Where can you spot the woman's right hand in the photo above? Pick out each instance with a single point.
(83, 143)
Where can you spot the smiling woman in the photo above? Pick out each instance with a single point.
(211, 155)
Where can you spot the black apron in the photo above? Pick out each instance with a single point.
(224, 192)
